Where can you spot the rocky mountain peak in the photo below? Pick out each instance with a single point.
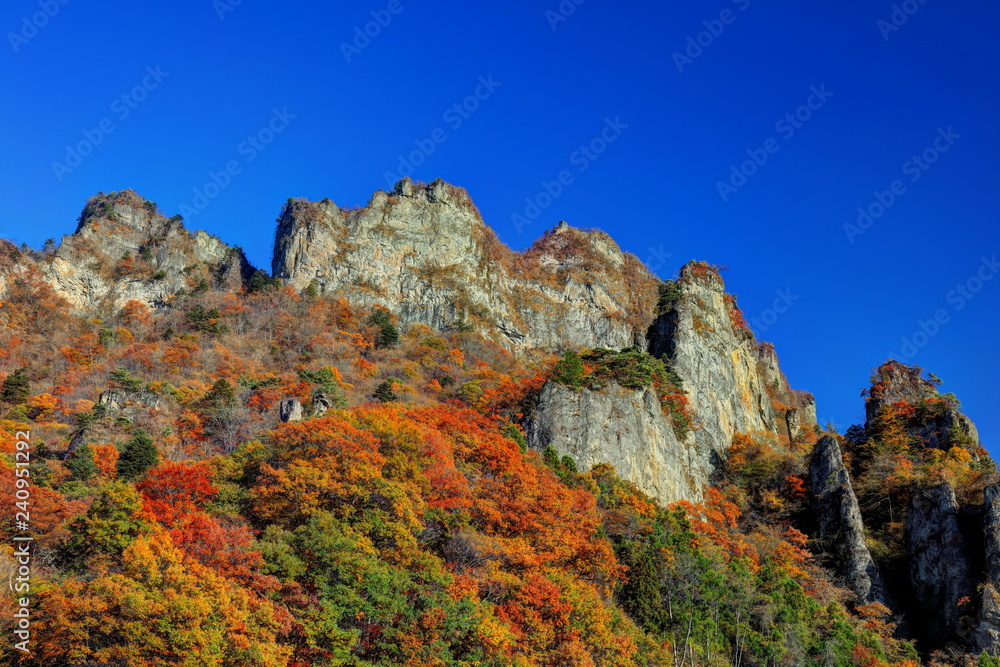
(123, 249)
(697, 272)
(424, 252)
(900, 394)
(893, 382)
(126, 211)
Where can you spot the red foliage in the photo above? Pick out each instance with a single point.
(171, 491)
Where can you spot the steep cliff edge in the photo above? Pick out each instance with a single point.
(939, 570)
(424, 252)
(124, 250)
(734, 383)
(840, 525)
(621, 426)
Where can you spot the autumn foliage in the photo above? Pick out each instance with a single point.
(418, 531)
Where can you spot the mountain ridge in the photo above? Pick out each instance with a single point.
(648, 405)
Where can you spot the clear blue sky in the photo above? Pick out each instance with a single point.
(207, 84)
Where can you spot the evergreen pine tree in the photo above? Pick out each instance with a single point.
(81, 464)
(388, 333)
(384, 392)
(16, 387)
(137, 456)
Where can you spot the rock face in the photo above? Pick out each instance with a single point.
(623, 427)
(840, 524)
(424, 252)
(124, 250)
(290, 410)
(122, 399)
(939, 424)
(734, 384)
(939, 571)
(987, 636)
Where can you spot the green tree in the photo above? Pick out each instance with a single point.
(137, 455)
(124, 379)
(221, 395)
(16, 387)
(206, 320)
(81, 463)
(388, 334)
(384, 393)
(260, 281)
(108, 527)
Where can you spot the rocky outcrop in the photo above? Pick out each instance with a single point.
(937, 421)
(734, 384)
(121, 399)
(290, 410)
(939, 571)
(321, 403)
(124, 250)
(987, 636)
(424, 252)
(840, 525)
(624, 427)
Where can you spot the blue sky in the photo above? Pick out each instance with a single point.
(744, 133)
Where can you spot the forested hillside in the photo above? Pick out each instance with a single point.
(229, 468)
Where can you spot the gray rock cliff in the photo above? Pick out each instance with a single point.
(424, 252)
(124, 250)
(840, 525)
(939, 571)
(624, 427)
(734, 384)
(987, 636)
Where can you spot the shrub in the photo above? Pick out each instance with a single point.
(512, 431)
(569, 371)
(669, 294)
